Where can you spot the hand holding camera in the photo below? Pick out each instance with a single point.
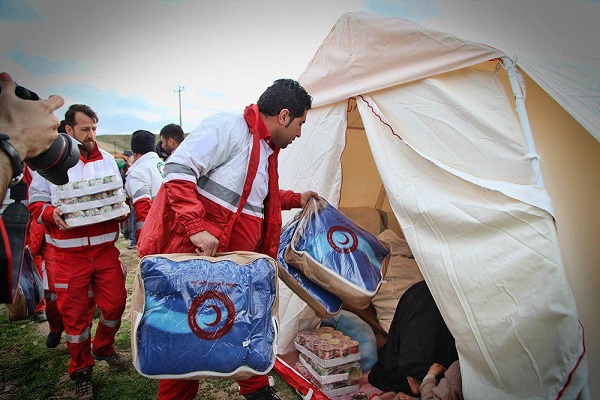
(32, 128)
(28, 131)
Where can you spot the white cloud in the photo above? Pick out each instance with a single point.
(125, 58)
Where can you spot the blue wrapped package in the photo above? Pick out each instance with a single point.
(338, 255)
(29, 292)
(205, 316)
(324, 303)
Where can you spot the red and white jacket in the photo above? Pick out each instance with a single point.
(144, 178)
(223, 174)
(42, 194)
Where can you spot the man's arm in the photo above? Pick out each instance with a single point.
(210, 145)
(40, 205)
(140, 194)
(290, 199)
(31, 125)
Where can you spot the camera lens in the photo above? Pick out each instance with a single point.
(63, 153)
(54, 163)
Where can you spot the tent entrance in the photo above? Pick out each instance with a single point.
(363, 194)
(359, 171)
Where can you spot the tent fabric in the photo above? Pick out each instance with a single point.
(555, 43)
(350, 63)
(450, 155)
(489, 260)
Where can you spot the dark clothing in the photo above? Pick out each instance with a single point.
(418, 337)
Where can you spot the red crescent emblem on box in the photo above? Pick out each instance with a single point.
(217, 297)
(342, 239)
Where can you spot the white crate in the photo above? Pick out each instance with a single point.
(327, 363)
(325, 379)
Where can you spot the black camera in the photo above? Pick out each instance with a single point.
(53, 163)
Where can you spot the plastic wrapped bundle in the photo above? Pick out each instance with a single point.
(205, 316)
(91, 201)
(29, 292)
(338, 255)
(324, 303)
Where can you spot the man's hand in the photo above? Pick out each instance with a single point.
(304, 197)
(436, 369)
(206, 244)
(58, 220)
(31, 125)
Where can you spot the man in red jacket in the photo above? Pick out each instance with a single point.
(86, 256)
(221, 193)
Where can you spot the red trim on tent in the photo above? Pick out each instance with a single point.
(576, 364)
(297, 381)
(380, 118)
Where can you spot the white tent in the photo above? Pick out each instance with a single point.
(452, 158)
(556, 42)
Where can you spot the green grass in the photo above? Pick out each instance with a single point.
(27, 369)
(31, 371)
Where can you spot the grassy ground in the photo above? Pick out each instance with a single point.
(31, 371)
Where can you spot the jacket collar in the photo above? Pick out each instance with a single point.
(255, 122)
(93, 155)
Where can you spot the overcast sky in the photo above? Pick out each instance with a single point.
(125, 58)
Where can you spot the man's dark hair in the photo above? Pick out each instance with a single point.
(285, 93)
(173, 131)
(75, 108)
(61, 127)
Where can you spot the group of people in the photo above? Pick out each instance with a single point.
(220, 192)
(217, 191)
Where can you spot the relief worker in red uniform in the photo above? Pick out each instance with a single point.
(86, 257)
(221, 193)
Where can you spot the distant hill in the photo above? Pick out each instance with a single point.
(114, 144)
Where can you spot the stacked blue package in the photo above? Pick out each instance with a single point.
(201, 315)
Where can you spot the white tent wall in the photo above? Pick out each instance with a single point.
(570, 159)
(479, 250)
(556, 42)
(313, 162)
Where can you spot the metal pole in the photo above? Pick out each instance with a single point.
(179, 90)
(532, 154)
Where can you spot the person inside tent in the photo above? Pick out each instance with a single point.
(418, 338)
(439, 384)
(221, 193)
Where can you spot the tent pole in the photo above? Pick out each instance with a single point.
(532, 154)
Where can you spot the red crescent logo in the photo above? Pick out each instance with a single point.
(198, 302)
(348, 245)
(218, 318)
